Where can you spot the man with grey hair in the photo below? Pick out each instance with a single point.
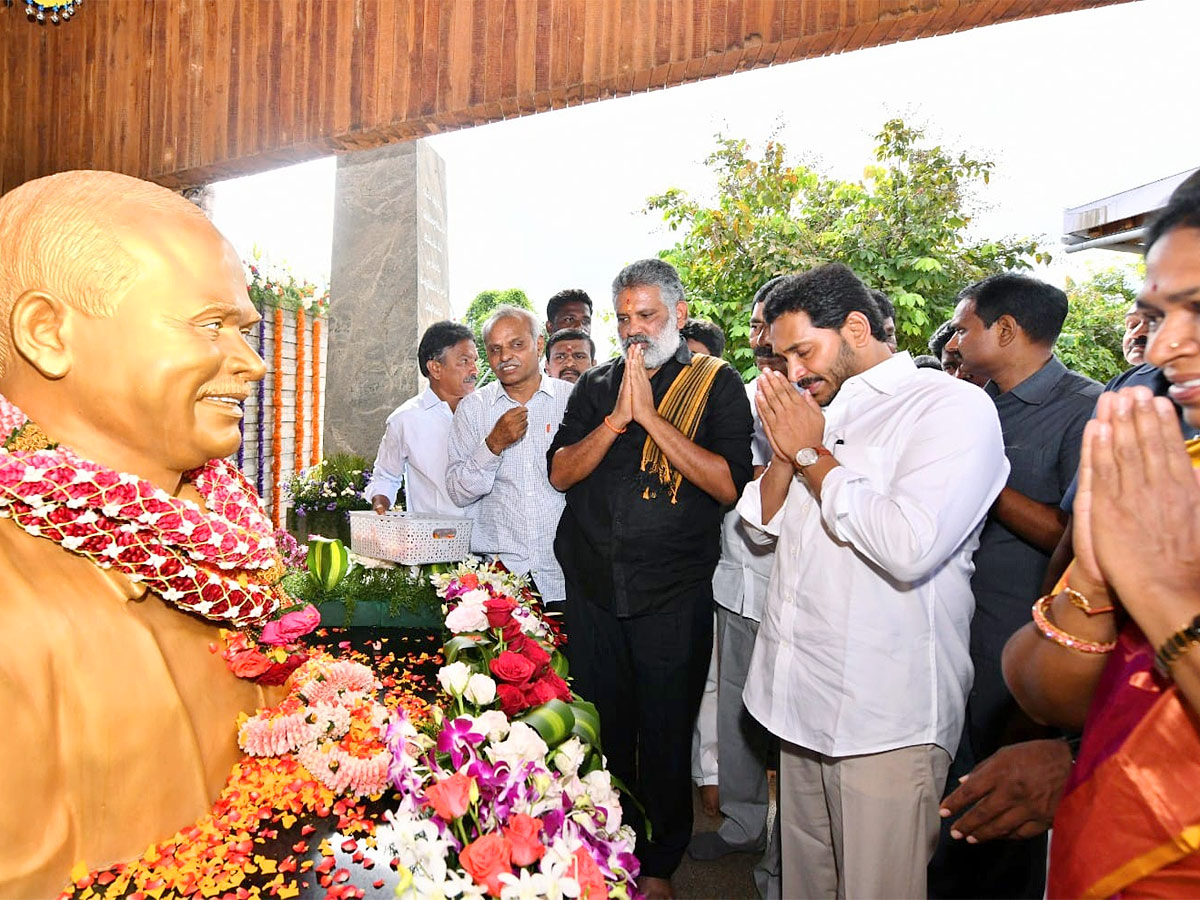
(498, 442)
(652, 446)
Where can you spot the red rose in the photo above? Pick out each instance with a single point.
(512, 668)
(487, 857)
(539, 692)
(561, 689)
(451, 797)
(277, 673)
(591, 880)
(512, 631)
(522, 832)
(512, 699)
(499, 610)
(534, 652)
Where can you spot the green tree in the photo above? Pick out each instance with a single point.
(1091, 337)
(902, 229)
(484, 304)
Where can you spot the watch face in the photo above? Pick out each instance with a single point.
(806, 456)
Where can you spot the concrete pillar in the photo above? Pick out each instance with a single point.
(389, 280)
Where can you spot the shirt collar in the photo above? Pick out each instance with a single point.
(887, 376)
(542, 388)
(429, 399)
(1037, 387)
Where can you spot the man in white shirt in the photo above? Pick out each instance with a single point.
(415, 443)
(880, 479)
(498, 445)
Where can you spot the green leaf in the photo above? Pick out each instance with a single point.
(559, 663)
(458, 645)
(328, 561)
(553, 720)
(587, 722)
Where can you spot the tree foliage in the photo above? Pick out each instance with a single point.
(1090, 341)
(484, 304)
(903, 229)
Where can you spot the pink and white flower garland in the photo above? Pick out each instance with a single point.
(333, 724)
(221, 563)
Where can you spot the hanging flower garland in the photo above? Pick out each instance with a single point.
(260, 419)
(298, 437)
(314, 453)
(221, 562)
(277, 416)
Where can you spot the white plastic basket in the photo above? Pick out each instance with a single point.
(411, 539)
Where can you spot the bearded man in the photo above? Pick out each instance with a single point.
(861, 663)
(651, 446)
(125, 540)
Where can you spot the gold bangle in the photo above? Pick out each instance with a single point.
(1176, 645)
(1052, 632)
(1079, 601)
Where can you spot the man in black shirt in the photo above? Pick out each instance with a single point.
(651, 447)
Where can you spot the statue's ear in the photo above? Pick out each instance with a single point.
(39, 324)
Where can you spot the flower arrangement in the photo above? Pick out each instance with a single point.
(277, 288)
(500, 807)
(336, 483)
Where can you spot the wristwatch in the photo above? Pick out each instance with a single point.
(806, 456)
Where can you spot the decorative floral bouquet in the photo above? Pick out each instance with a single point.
(512, 809)
(335, 483)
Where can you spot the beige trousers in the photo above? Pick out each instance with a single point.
(859, 826)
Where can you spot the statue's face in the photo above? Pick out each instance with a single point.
(161, 383)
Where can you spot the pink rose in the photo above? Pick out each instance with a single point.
(522, 832)
(451, 797)
(290, 628)
(486, 858)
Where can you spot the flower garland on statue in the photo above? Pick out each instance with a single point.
(221, 564)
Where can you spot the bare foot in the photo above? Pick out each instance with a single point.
(710, 800)
(656, 888)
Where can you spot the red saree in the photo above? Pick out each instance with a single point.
(1129, 821)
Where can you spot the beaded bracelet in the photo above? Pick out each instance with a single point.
(1052, 632)
(1176, 645)
(613, 428)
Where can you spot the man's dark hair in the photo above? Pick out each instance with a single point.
(886, 309)
(571, 334)
(1182, 211)
(1039, 308)
(925, 361)
(437, 339)
(706, 332)
(828, 294)
(562, 298)
(940, 338)
(761, 294)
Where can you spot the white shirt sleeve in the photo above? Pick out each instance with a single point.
(749, 507)
(388, 472)
(944, 482)
(473, 467)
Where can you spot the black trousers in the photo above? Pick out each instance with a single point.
(646, 675)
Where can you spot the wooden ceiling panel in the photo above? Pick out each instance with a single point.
(188, 91)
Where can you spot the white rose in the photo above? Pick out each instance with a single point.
(569, 756)
(481, 690)
(476, 597)
(467, 617)
(522, 745)
(454, 677)
(493, 723)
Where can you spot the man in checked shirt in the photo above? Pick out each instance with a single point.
(498, 445)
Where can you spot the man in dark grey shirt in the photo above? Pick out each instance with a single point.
(1005, 328)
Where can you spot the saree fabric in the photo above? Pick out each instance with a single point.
(120, 722)
(1129, 820)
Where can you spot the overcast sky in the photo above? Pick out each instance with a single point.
(1070, 107)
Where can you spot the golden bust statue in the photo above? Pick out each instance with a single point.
(123, 320)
